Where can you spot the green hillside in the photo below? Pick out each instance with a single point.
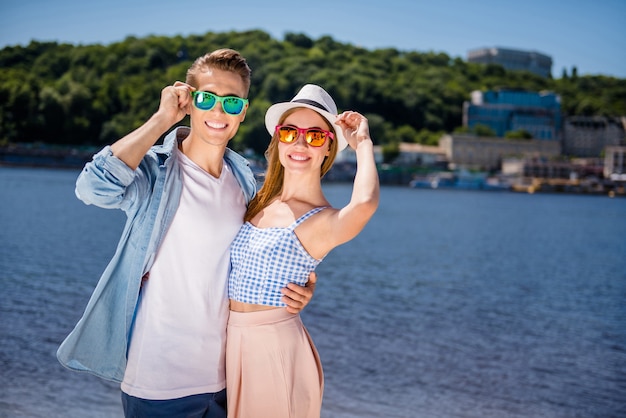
(93, 94)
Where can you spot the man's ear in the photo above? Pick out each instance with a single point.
(243, 114)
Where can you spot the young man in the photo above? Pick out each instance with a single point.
(164, 340)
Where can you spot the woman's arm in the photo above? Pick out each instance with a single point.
(351, 219)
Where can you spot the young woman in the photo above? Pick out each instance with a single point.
(272, 367)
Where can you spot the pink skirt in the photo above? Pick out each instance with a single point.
(272, 367)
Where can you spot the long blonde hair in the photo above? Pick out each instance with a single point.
(275, 174)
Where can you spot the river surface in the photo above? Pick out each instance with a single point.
(449, 303)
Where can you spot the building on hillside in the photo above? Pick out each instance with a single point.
(513, 59)
(588, 136)
(505, 110)
(485, 153)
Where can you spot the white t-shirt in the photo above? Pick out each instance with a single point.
(178, 342)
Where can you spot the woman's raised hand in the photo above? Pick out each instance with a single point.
(355, 127)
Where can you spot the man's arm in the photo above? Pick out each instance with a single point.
(174, 105)
(297, 297)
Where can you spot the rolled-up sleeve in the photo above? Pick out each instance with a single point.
(108, 182)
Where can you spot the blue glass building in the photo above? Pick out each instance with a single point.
(538, 113)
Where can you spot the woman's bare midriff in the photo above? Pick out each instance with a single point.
(248, 307)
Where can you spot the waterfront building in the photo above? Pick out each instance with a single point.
(419, 155)
(487, 153)
(409, 155)
(506, 110)
(513, 59)
(615, 163)
(411, 158)
(588, 136)
(544, 168)
(580, 175)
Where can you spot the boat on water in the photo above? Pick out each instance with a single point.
(461, 179)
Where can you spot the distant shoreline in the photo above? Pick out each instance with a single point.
(45, 156)
(60, 157)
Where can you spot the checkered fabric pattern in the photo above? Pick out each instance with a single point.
(264, 260)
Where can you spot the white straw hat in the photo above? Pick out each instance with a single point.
(312, 97)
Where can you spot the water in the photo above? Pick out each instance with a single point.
(449, 304)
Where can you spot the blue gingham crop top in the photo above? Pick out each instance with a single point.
(264, 260)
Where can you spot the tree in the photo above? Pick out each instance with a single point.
(483, 130)
(299, 39)
(519, 134)
(390, 151)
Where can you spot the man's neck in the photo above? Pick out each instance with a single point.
(208, 157)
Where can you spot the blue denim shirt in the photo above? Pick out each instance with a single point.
(149, 196)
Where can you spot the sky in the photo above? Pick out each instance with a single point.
(587, 34)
